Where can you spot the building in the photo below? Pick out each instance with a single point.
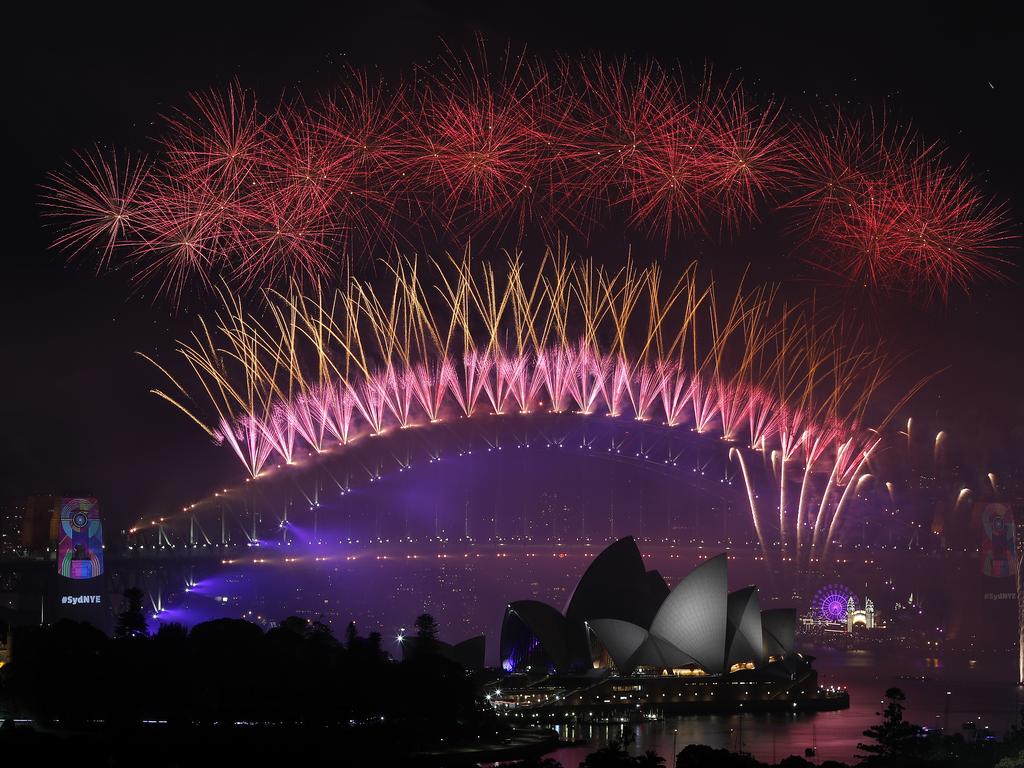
(623, 617)
(860, 617)
(626, 646)
(12, 518)
(56, 569)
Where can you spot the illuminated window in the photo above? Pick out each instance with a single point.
(686, 672)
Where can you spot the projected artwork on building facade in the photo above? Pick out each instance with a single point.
(80, 542)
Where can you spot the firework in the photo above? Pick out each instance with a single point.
(882, 209)
(97, 199)
(480, 141)
(304, 371)
(479, 146)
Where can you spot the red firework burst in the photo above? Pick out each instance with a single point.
(478, 141)
(182, 237)
(749, 159)
(636, 145)
(220, 141)
(97, 201)
(482, 145)
(367, 127)
(882, 210)
(950, 230)
(287, 236)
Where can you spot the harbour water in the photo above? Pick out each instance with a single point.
(941, 692)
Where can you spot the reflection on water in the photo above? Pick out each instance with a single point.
(941, 693)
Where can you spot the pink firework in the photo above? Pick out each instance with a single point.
(799, 447)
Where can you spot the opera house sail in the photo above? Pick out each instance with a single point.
(622, 613)
(629, 637)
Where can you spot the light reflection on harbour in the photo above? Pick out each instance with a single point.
(981, 692)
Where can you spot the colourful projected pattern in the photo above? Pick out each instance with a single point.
(80, 545)
(998, 543)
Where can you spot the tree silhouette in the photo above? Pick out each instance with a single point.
(351, 636)
(649, 759)
(610, 756)
(703, 756)
(374, 646)
(894, 737)
(320, 634)
(426, 632)
(172, 631)
(536, 762)
(131, 622)
(292, 683)
(295, 624)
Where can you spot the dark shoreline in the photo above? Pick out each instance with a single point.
(531, 742)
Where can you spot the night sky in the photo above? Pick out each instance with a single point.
(74, 405)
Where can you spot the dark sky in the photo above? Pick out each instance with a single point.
(74, 406)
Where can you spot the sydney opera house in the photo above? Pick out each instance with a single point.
(624, 632)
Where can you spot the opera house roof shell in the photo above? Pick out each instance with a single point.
(621, 610)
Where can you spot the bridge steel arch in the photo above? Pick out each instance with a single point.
(260, 508)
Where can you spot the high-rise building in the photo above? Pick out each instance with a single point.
(52, 554)
(12, 517)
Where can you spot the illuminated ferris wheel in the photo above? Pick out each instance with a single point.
(831, 602)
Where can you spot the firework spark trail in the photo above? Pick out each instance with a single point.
(567, 334)
(260, 195)
(735, 452)
(850, 486)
